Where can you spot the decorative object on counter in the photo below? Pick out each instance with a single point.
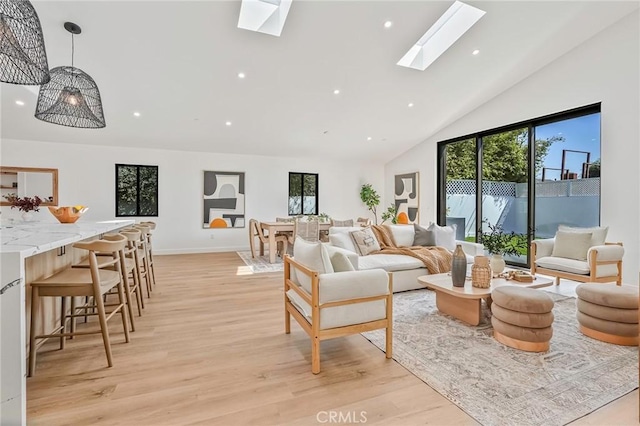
(458, 267)
(481, 272)
(25, 204)
(72, 97)
(23, 59)
(68, 214)
(499, 243)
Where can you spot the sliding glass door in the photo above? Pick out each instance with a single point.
(532, 176)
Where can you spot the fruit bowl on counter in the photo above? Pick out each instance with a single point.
(68, 214)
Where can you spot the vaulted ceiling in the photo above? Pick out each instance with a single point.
(177, 64)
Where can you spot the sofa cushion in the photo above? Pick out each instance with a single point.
(445, 236)
(572, 245)
(565, 265)
(389, 262)
(365, 241)
(598, 233)
(423, 236)
(402, 234)
(312, 255)
(343, 240)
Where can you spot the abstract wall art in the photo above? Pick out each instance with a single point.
(223, 200)
(406, 197)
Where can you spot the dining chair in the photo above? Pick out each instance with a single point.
(255, 230)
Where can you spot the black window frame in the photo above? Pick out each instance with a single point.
(441, 194)
(302, 179)
(138, 167)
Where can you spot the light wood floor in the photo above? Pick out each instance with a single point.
(210, 349)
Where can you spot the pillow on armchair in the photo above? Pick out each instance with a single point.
(572, 245)
(598, 233)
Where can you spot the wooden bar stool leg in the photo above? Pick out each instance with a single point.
(136, 285)
(127, 289)
(63, 318)
(73, 318)
(123, 301)
(103, 328)
(35, 307)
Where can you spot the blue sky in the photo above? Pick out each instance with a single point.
(581, 134)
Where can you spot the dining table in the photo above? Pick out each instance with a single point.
(280, 227)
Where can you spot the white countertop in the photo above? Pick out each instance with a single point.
(29, 238)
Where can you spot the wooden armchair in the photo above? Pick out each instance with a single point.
(328, 304)
(603, 264)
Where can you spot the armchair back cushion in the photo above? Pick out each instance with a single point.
(598, 233)
(572, 245)
(312, 255)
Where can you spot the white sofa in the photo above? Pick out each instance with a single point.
(405, 269)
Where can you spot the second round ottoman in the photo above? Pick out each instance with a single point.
(522, 318)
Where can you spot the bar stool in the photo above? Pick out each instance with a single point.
(127, 266)
(78, 282)
(143, 267)
(152, 227)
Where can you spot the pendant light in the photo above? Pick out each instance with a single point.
(23, 59)
(71, 98)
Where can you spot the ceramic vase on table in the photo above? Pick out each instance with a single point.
(481, 272)
(497, 264)
(27, 216)
(458, 267)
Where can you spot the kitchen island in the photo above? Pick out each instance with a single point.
(30, 251)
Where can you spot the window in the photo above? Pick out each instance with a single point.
(530, 177)
(136, 190)
(303, 193)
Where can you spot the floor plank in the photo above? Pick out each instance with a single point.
(211, 350)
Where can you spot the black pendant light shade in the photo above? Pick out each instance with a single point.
(71, 99)
(23, 59)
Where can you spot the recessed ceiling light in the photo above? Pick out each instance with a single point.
(336, 92)
(410, 104)
(388, 24)
(228, 123)
(369, 138)
(241, 75)
(136, 114)
(21, 103)
(456, 21)
(475, 52)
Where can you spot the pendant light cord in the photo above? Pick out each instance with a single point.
(72, 49)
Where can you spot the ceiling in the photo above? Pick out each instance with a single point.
(177, 64)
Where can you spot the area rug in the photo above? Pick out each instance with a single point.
(497, 385)
(260, 264)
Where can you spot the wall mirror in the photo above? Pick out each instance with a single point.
(29, 182)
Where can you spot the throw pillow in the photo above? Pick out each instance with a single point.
(340, 262)
(312, 255)
(344, 241)
(365, 241)
(423, 236)
(342, 223)
(445, 236)
(572, 245)
(598, 237)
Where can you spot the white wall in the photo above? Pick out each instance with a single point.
(603, 69)
(87, 176)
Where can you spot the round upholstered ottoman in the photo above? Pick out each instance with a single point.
(522, 318)
(608, 313)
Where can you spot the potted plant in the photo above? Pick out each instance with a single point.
(371, 199)
(500, 243)
(25, 205)
(390, 214)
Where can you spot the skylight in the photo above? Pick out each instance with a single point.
(264, 16)
(456, 21)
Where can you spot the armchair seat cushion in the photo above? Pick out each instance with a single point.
(565, 265)
(573, 266)
(341, 316)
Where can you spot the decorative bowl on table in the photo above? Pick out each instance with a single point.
(68, 214)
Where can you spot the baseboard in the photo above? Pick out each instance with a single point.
(162, 252)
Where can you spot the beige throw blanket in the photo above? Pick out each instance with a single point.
(436, 259)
